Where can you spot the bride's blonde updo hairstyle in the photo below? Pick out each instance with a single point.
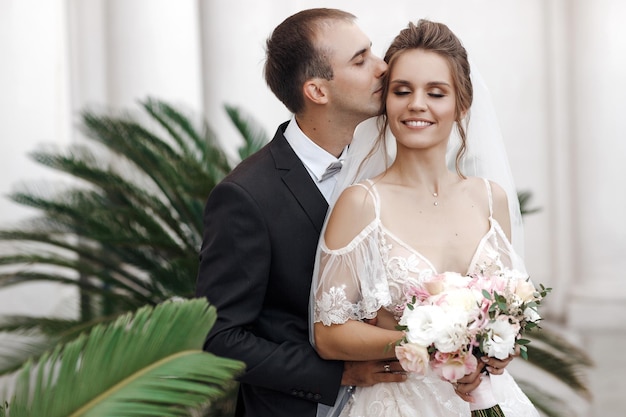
(438, 38)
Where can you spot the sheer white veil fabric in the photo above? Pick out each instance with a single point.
(485, 157)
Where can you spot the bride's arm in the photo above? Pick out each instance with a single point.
(355, 341)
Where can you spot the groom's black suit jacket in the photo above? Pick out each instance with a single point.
(261, 229)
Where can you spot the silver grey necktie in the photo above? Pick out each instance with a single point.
(332, 169)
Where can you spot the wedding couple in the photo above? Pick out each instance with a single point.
(408, 217)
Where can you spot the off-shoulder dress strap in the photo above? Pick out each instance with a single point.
(490, 197)
(369, 186)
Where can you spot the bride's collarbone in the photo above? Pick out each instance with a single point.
(437, 233)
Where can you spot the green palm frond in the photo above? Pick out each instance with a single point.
(555, 360)
(547, 404)
(147, 363)
(31, 337)
(524, 200)
(254, 135)
(131, 226)
(562, 346)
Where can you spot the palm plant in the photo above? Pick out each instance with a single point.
(127, 233)
(155, 366)
(128, 230)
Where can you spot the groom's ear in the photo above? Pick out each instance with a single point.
(314, 90)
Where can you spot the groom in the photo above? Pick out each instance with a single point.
(262, 222)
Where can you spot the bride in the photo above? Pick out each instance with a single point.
(408, 217)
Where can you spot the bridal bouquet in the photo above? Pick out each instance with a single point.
(451, 318)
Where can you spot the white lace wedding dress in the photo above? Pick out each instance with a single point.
(373, 269)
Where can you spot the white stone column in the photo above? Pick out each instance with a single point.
(233, 53)
(152, 49)
(34, 110)
(598, 44)
(597, 40)
(88, 57)
(33, 81)
(559, 151)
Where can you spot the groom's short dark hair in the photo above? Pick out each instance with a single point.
(292, 57)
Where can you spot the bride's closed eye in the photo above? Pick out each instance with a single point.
(401, 91)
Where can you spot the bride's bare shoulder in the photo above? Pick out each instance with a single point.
(500, 205)
(479, 187)
(353, 211)
(357, 195)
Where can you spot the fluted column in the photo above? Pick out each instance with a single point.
(152, 49)
(88, 57)
(598, 42)
(33, 84)
(233, 53)
(34, 109)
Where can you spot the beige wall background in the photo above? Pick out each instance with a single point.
(554, 67)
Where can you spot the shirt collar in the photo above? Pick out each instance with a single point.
(315, 158)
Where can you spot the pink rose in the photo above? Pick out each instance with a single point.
(419, 293)
(453, 366)
(413, 357)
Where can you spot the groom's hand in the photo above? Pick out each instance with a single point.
(367, 373)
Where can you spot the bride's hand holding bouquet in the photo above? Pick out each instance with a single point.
(451, 319)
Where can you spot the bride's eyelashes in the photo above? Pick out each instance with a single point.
(405, 92)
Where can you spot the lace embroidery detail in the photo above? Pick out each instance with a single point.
(419, 396)
(333, 307)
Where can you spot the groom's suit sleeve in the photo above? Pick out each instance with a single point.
(254, 268)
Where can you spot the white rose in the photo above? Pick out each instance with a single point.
(455, 280)
(422, 323)
(531, 315)
(502, 335)
(452, 332)
(525, 290)
(462, 298)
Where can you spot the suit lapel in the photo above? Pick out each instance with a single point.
(297, 179)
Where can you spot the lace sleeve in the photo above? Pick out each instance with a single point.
(352, 284)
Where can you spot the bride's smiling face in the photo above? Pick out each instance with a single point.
(421, 103)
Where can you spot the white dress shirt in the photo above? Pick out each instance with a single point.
(315, 159)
